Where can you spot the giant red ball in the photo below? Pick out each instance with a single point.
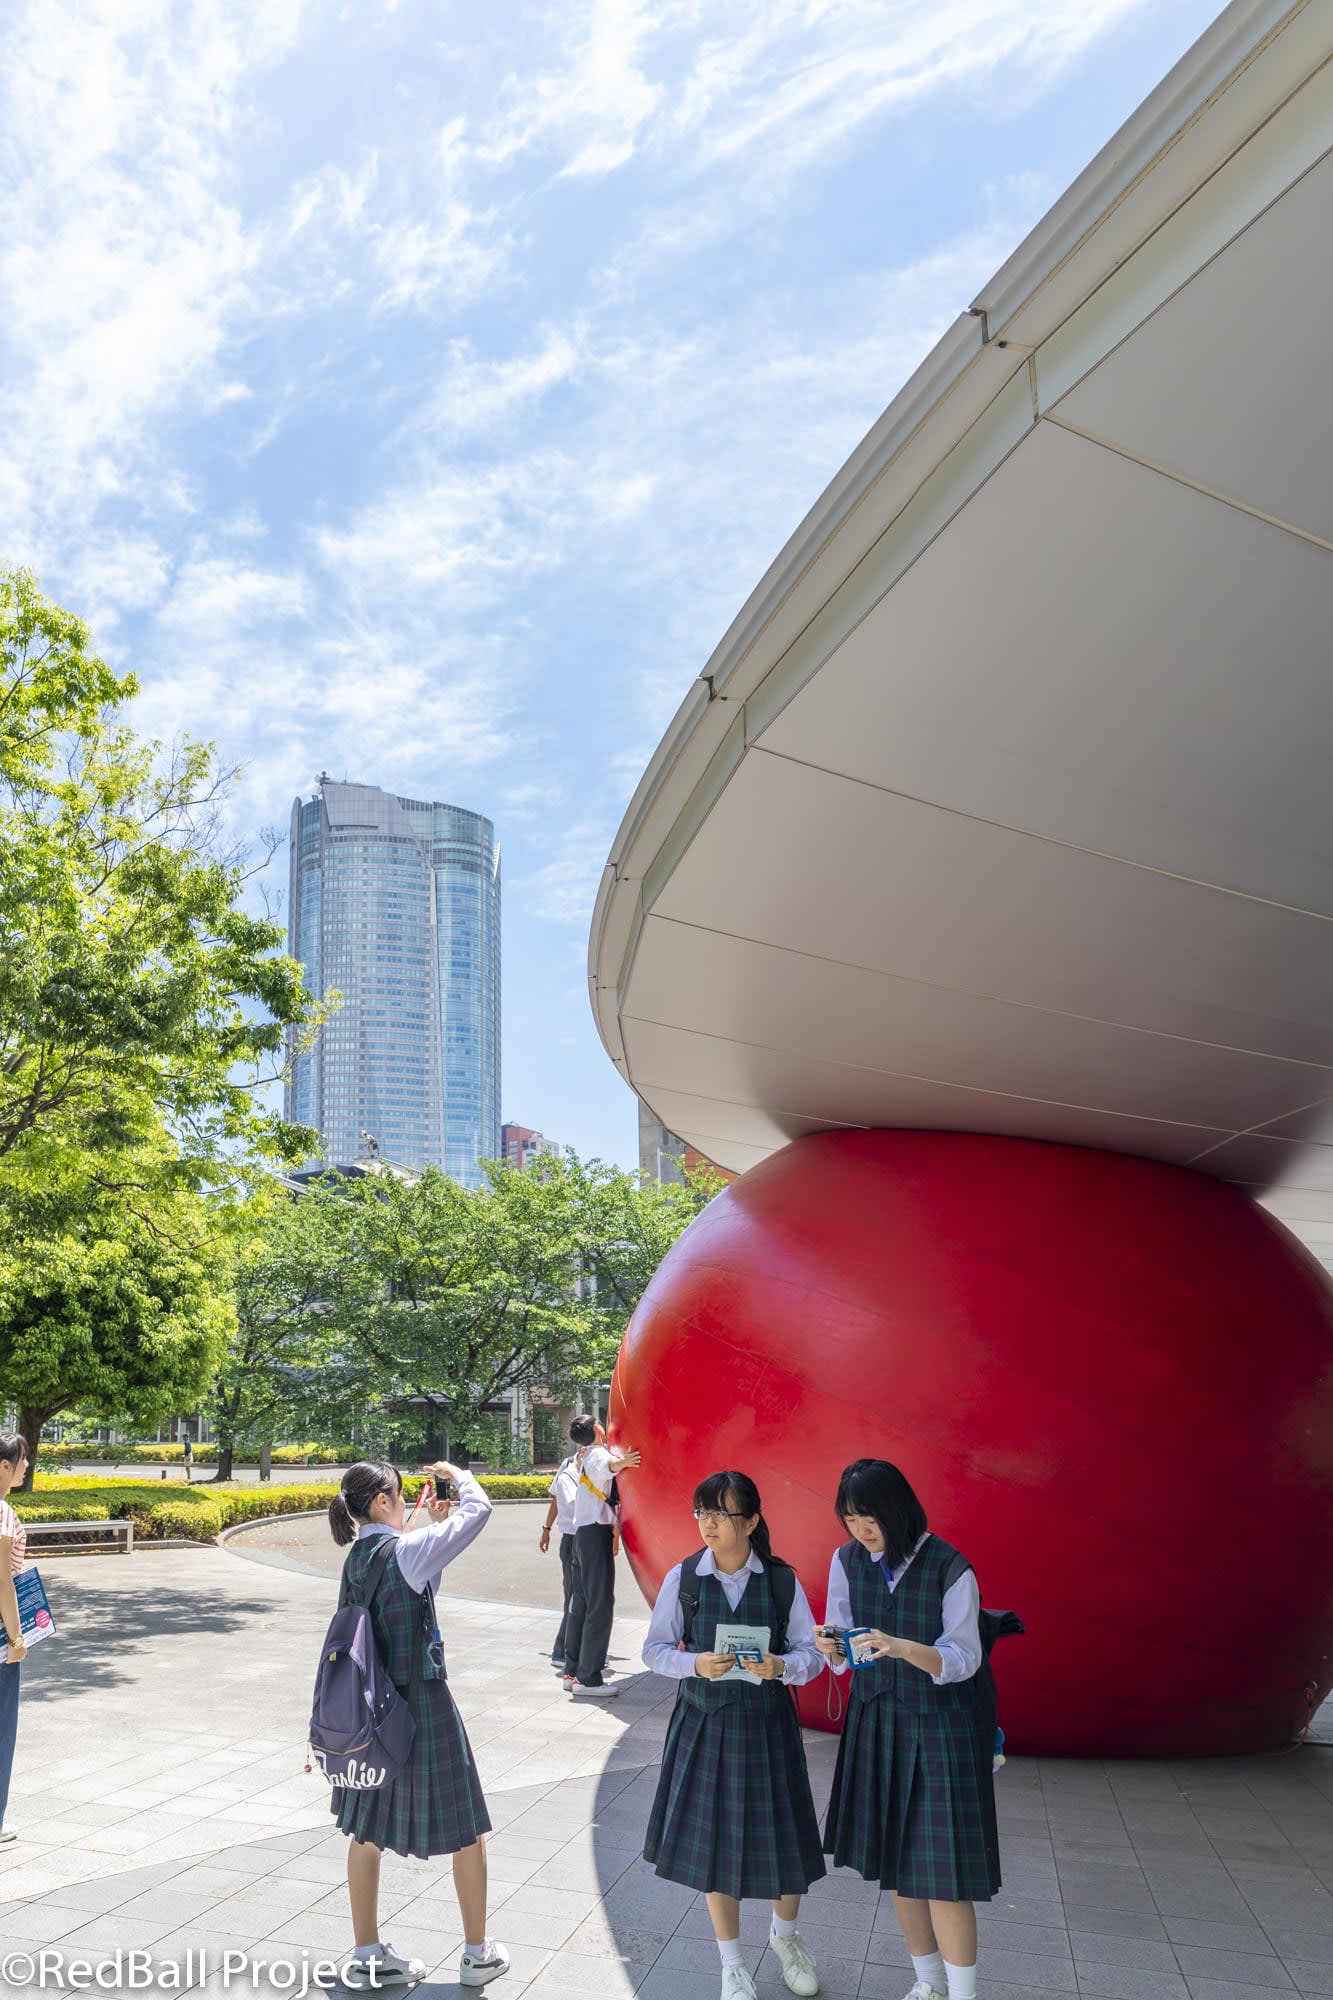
(1109, 1381)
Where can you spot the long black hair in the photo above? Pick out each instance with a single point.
(873, 1486)
(13, 1447)
(352, 1503)
(736, 1493)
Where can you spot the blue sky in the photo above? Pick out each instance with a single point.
(417, 390)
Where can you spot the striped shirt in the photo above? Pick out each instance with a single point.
(11, 1525)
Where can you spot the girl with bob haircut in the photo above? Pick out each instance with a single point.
(733, 1815)
(913, 1801)
(435, 1804)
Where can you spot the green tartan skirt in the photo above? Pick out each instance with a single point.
(913, 1802)
(733, 1813)
(435, 1804)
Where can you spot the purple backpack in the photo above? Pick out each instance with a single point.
(361, 1729)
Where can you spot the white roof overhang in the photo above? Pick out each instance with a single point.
(1004, 805)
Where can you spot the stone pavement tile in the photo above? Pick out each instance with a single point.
(176, 1905)
(1311, 1975)
(1244, 1935)
(1187, 1896)
(1020, 1937)
(39, 1923)
(1293, 1941)
(1209, 1962)
(597, 1938)
(1114, 1923)
(1054, 1972)
(569, 1975)
(1093, 1948)
(1233, 1989)
(260, 1908)
(106, 1932)
(1115, 1982)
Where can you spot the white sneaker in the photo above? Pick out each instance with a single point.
(475, 1968)
(737, 1984)
(923, 1990)
(8, 1834)
(798, 1968)
(390, 1968)
(606, 1692)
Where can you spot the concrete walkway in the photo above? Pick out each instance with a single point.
(163, 1807)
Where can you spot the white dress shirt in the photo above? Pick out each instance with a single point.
(564, 1491)
(594, 1462)
(422, 1554)
(662, 1649)
(959, 1644)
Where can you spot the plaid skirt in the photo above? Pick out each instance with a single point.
(913, 1803)
(733, 1812)
(435, 1804)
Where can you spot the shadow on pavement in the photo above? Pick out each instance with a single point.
(101, 1633)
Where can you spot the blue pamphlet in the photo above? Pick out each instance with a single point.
(35, 1620)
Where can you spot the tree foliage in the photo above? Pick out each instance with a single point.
(364, 1294)
(136, 991)
(101, 1304)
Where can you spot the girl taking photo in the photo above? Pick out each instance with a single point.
(435, 1804)
(733, 1814)
(913, 1801)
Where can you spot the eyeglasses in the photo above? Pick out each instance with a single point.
(708, 1517)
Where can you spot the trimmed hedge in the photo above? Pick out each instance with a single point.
(200, 1513)
(204, 1454)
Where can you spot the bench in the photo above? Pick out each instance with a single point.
(68, 1538)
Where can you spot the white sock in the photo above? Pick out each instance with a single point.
(729, 1950)
(962, 1981)
(784, 1926)
(930, 1971)
(364, 1951)
(477, 1950)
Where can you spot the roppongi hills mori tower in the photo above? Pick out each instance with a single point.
(395, 905)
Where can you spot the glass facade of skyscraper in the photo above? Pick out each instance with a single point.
(395, 905)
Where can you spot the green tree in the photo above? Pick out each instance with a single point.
(104, 1305)
(368, 1293)
(135, 989)
(294, 1365)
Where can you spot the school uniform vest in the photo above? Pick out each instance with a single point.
(756, 1607)
(403, 1619)
(914, 1611)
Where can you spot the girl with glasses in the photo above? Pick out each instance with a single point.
(913, 1801)
(733, 1815)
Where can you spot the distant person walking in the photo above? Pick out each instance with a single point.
(560, 1515)
(13, 1548)
(592, 1599)
(187, 1450)
(435, 1804)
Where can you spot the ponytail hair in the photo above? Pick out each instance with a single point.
(351, 1504)
(737, 1493)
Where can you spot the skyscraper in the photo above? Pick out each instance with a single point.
(395, 904)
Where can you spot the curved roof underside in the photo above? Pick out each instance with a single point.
(1005, 804)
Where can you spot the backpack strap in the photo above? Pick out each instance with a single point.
(689, 1595)
(357, 1593)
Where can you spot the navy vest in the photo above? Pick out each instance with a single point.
(756, 1607)
(915, 1611)
(402, 1618)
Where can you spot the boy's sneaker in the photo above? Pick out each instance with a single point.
(476, 1967)
(604, 1691)
(737, 1984)
(388, 1967)
(798, 1968)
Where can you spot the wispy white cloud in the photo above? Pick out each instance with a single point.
(593, 104)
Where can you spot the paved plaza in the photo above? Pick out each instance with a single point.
(163, 1806)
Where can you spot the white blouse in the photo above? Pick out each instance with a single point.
(663, 1650)
(959, 1644)
(424, 1552)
